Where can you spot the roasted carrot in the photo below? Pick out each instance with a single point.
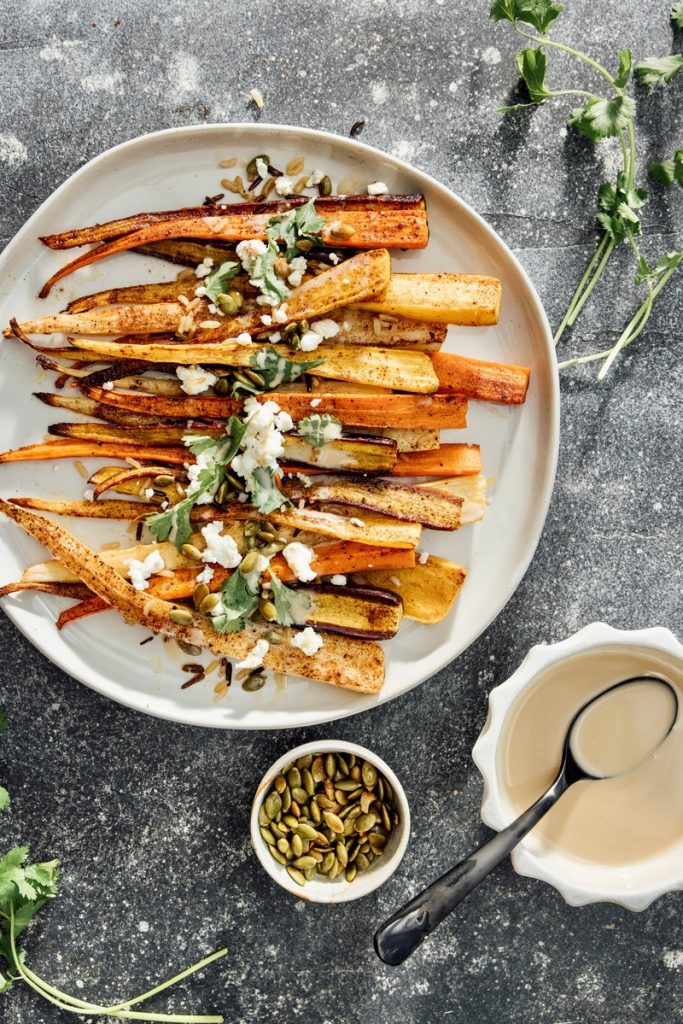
(403, 217)
(338, 557)
(77, 591)
(68, 449)
(474, 378)
(373, 227)
(413, 411)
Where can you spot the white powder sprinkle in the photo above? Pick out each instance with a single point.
(13, 153)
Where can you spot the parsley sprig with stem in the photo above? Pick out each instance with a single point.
(599, 118)
(24, 890)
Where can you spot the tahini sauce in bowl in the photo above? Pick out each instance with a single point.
(612, 822)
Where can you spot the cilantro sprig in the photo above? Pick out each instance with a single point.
(24, 891)
(275, 371)
(302, 224)
(599, 118)
(215, 282)
(213, 458)
(320, 428)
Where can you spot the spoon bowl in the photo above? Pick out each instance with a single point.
(615, 711)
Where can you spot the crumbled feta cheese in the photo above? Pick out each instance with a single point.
(108, 385)
(275, 336)
(248, 250)
(204, 268)
(305, 480)
(262, 443)
(299, 557)
(315, 402)
(139, 572)
(195, 379)
(267, 320)
(243, 497)
(89, 494)
(325, 328)
(243, 339)
(377, 188)
(308, 641)
(221, 550)
(255, 657)
(332, 431)
(206, 575)
(423, 557)
(295, 278)
(149, 492)
(213, 309)
(200, 291)
(185, 324)
(297, 268)
(261, 168)
(356, 522)
(284, 186)
(339, 580)
(257, 96)
(315, 178)
(280, 314)
(334, 259)
(309, 341)
(164, 504)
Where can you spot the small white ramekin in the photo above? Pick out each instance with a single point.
(634, 885)
(321, 890)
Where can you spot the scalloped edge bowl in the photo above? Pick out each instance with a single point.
(633, 886)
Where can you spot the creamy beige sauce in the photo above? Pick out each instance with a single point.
(623, 728)
(614, 821)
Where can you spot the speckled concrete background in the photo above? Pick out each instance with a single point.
(149, 820)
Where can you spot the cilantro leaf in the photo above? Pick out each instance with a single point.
(677, 15)
(4, 799)
(532, 63)
(291, 605)
(319, 429)
(294, 226)
(239, 597)
(276, 369)
(625, 62)
(265, 494)
(538, 13)
(174, 522)
(617, 205)
(215, 282)
(600, 118)
(668, 171)
(656, 70)
(668, 262)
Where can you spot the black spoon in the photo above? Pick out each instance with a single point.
(405, 930)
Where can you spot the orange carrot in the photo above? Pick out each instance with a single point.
(395, 222)
(68, 449)
(398, 211)
(447, 460)
(422, 412)
(474, 378)
(338, 557)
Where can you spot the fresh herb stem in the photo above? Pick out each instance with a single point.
(119, 1010)
(544, 41)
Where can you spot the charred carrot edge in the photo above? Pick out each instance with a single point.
(329, 206)
(128, 474)
(424, 412)
(78, 591)
(475, 378)
(337, 557)
(374, 227)
(447, 460)
(68, 449)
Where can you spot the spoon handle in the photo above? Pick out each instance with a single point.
(405, 930)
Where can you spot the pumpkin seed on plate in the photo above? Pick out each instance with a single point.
(296, 875)
(275, 853)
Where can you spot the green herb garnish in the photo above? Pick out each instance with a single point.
(24, 890)
(291, 605)
(213, 457)
(294, 226)
(239, 598)
(275, 370)
(600, 117)
(320, 428)
(668, 171)
(215, 282)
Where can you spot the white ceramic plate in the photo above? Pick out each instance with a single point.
(519, 444)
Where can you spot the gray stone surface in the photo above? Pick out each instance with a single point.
(149, 819)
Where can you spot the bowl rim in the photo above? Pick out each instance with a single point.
(496, 811)
(345, 892)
